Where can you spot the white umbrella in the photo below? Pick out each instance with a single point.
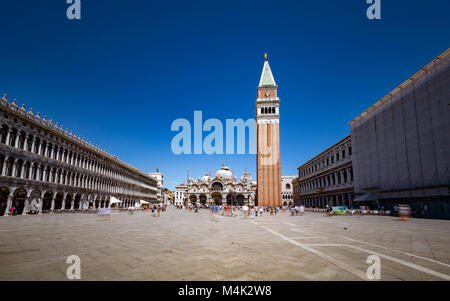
(144, 202)
(115, 201)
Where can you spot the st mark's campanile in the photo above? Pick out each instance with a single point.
(268, 139)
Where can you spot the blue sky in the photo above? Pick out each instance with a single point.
(127, 69)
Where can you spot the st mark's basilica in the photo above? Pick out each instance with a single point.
(223, 188)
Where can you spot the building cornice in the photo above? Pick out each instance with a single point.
(348, 137)
(47, 125)
(325, 172)
(435, 66)
(268, 100)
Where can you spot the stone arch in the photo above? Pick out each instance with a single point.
(52, 172)
(12, 137)
(4, 133)
(217, 197)
(2, 163)
(34, 201)
(22, 139)
(90, 201)
(9, 166)
(240, 199)
(40, 173)
(47, 201)
(77, 201)
(217, 186)
(18, 168)
(60, 154)
(193, 198)
(58, 176)
(48, 151)
(43, 148)
(59, 198)
(19, 199)
(68, 203)
(230, 199)
(37, 142)
(33, 171)
(4, 195)
(46, 171)
(29, 143)
(203, 199)
(63, 177)
(26, 170)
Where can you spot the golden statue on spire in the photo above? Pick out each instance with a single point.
(265, 56)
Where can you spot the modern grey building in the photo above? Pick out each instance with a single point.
(401, 144)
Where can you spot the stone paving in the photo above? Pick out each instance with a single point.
(182, 245)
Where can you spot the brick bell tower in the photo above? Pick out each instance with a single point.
(268, 139)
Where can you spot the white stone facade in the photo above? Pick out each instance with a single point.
(161, 195)
(287, 190)
(327, 179)
(222, 189)
(44, 167)
(180, 194)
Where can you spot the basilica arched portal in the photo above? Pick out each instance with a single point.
(217, 197)
(203, 199)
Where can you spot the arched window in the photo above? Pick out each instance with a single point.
(33, 172)
(30, 143)
(22, 138)
(216, 186)
(12, 137)
(4, 133)
(288, 186)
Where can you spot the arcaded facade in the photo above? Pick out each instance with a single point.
(47, 167)
(327, 179)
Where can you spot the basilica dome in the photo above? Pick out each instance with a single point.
(205, 178)
(224, 172)
(246, 178)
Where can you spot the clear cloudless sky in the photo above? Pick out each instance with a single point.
(127, 69)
